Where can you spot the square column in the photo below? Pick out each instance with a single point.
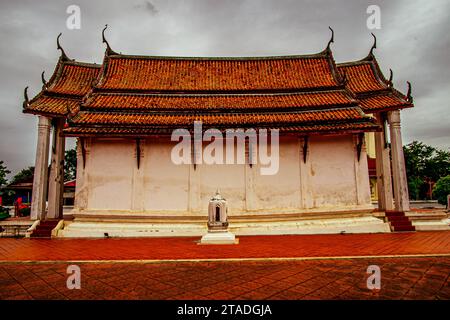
(41, 169)
(383, 167)
(398, 163)
(56, 178)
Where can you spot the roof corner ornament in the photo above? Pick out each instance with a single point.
(68, 112)
(409, 98)
(26, 101)
(44, 82)
(63, 54)
(109, 51)
(391, 77)
(344, 79)
(374, 46)
(331, 39)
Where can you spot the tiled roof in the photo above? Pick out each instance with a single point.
(216, 74)
(374, 93)
(148, 102)
(143, 131)
(361, 78)
(140, 95)
(143, 94)
(53, 105)
(219, 119)
(70, 81)
(74, 79)
(383, 101)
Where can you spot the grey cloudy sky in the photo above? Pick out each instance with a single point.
(414, 41)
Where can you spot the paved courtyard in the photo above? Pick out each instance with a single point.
(413, 266)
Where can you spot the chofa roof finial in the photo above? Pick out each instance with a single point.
(331, 39)
(374, 46)
(63, 54)
(44, 82)
(108, 48)
(391, 77)
(409, 98)
(26, 101)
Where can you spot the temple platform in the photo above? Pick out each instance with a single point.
(100, 226)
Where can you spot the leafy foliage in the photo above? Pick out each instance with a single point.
(23, 174)
(442, 189)
(424, 166)
(3, 172)
(70, 165)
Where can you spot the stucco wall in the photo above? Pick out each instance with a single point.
(111, 181)
(332, 171)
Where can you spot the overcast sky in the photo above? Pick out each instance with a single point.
(413, 40)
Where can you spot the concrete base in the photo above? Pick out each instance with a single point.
(432, 225)
(222, 237)
(429, 220)
(99, 229)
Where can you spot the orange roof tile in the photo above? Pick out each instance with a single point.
(70, 81)
(216, 74)
(231, 119)
(383, 102)
(53, 105)
(119, 101)
(142, 131)
(74, 78)
(361, 78)
(374, 93)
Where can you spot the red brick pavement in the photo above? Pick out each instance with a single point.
(288, 246)
(401, 278)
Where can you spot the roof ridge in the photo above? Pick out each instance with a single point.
(321, 54)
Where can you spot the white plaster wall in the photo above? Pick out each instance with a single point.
(281, 190)
(110, 174)
(112, 182)
(230, 179)
(332, 170)
(166, 185)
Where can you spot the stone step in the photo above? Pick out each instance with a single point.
(403, 228)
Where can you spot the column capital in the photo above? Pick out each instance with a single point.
(394, 117)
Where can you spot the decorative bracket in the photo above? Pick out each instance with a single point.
(83, 151)
(138, 152)
(248, 153)
(359, 145)
(305, 148)
(193, 156)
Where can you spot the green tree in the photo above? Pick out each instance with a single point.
(70, 165)
(3, 172)
(442, 189)
(23, 174)
(424, 166)
(4, 193)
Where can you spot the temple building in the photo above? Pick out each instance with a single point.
(123, 114)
